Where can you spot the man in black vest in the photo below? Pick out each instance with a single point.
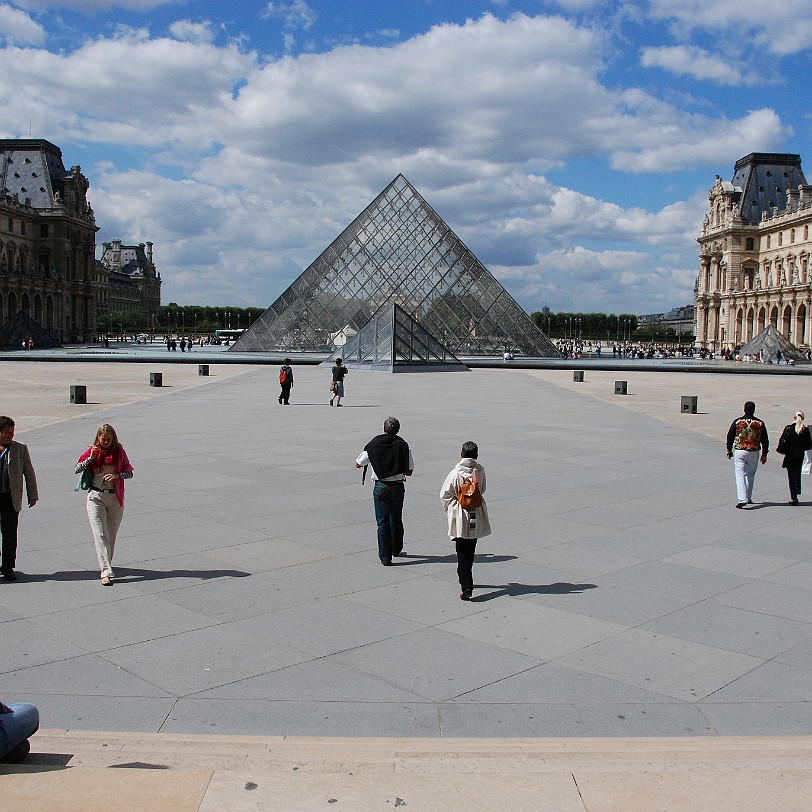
(391, 461)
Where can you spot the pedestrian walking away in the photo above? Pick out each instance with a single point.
(108, 461)
(15, 470)
(462, 497)
(285, 381)
(391, 461)
(337, 384)
(746, 440)
(794, 443)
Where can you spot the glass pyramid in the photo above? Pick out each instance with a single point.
(397, 251)
(394, 341)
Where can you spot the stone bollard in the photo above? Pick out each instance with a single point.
(156, 379)
(621, 388)
(202, 369)
(578, 376)
(78, 393)
(688, 404)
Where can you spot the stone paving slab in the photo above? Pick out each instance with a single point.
(247, 563)
(165, 773)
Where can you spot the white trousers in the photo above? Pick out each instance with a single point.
(745, 464)
(105, 516)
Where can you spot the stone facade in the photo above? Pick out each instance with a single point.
(47, 240)
(48, 267)
(754, 255)
(128, 280)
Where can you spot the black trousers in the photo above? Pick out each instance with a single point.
(466, 549)
(8, 528)
(284, 395)
(794, 480)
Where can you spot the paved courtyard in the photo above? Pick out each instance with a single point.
(621, 594)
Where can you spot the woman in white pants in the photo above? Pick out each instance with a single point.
(105, 498)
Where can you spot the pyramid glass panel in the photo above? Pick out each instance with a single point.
(394, 341)
(397, 251)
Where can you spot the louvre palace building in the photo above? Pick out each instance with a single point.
(754, 255)
(48, 268)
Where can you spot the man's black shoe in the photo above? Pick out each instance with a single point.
(9, 575)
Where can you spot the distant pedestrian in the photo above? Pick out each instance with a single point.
(337, 384)
(105, 497)
(15, 468)
(285, 381)
(746, 438)
(794, 443)
(466, 524)
(391, 461)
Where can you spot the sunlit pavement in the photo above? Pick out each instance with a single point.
(623, 607)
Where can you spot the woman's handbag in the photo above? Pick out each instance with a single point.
(807, 466)
(332, 386)
(781, 448)
(85, 480)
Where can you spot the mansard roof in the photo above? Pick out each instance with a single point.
(765, 178)
(129, 259)
(31, 168)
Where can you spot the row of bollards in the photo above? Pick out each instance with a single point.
(688, 403)
(78, 392)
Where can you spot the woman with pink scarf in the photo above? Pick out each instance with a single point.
(105, 497)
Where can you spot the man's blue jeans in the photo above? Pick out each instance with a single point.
(16, 727)
(388, 498)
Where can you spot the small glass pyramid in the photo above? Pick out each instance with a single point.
(397, 251)
(394, 341)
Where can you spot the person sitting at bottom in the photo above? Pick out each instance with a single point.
(18, 721)
(465, 526)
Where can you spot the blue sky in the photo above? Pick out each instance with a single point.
(570, 144)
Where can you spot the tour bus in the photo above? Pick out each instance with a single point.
(227, 336)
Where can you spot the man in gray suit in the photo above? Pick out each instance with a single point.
(15, 467)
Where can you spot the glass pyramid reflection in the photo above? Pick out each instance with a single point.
(397, 251)
(393, 341)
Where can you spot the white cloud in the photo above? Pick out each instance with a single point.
(17, 28)
(782, 27)
(666, 146)
(584, 280)
(127, 90)
(93, 5)
(191, 31)
(276, 158)
(685, 60)
(293, 15)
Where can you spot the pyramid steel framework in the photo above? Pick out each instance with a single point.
(394, 342)
(397, 251)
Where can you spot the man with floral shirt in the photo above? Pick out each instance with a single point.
(746, 441)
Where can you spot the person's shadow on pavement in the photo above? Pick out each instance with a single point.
(513, 590)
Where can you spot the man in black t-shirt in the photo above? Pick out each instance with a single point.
(391, 461)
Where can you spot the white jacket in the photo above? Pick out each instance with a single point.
(459, 525)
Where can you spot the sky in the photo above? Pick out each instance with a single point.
(570, 144)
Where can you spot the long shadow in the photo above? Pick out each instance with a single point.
(485, 558)
(131, 575)
(786, 504)
(513, 590)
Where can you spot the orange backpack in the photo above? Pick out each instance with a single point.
(468, 494)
